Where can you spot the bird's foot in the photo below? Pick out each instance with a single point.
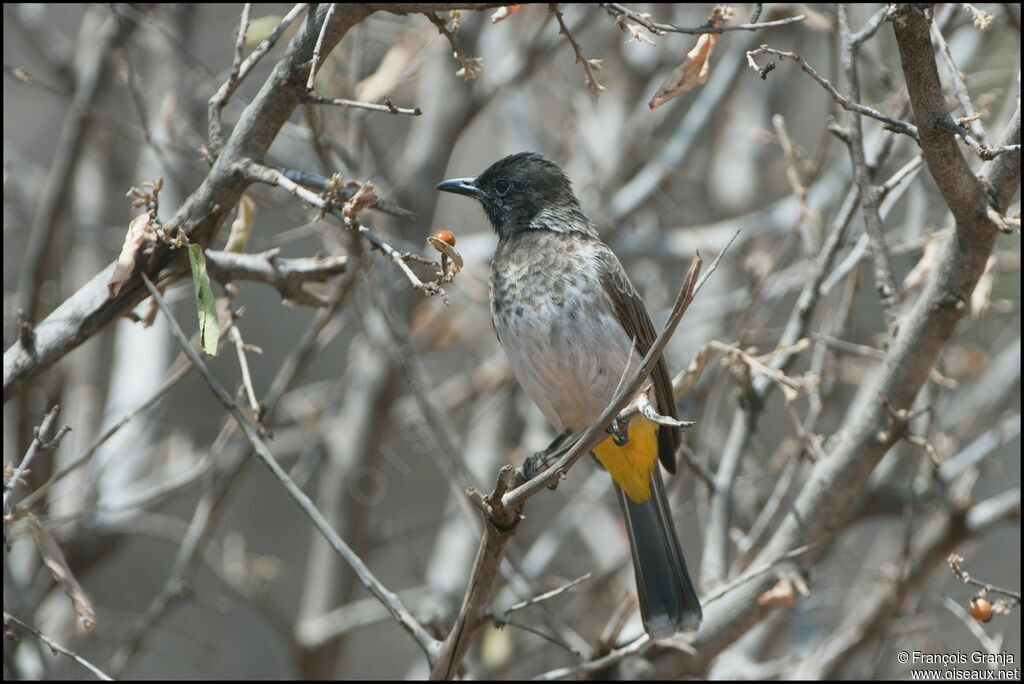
(539, 461)
(619, 430)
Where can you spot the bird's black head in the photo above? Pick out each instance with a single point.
(521, 192)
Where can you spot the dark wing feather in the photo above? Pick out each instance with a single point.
(632, 313)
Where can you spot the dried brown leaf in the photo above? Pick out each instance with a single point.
(693, 71)
(137, 232)
(51, 554)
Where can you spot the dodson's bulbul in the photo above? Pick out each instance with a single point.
(571, 323)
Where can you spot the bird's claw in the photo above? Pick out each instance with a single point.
(619, 430)
(534, 464)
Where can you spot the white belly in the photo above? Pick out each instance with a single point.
(569, 357)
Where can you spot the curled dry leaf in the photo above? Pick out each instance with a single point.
(241, 227)
(503, 13)
(693, 72)
(138, 230)
(51, 554)
(363, 197)
(696, 68)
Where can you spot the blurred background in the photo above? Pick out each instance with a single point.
(194, 559)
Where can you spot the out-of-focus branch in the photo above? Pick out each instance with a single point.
(91, 75)
(366, 577)
(868, 614)
(870, 194)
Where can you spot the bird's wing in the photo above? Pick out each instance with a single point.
(632, 314)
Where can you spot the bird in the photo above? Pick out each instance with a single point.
(572, 325)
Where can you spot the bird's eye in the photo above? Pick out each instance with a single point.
(502, 185)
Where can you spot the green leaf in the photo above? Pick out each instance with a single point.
(209, 327)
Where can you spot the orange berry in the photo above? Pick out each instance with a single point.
(980, 609)
(446, 237)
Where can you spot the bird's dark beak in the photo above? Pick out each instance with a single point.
(461, 186)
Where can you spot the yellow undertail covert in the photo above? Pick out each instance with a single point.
(630, 465)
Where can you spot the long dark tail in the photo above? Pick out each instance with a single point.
(668, 601)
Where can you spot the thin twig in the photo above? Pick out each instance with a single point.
(387, 107)
(274, 177)
(40, 442)
(870, 194)
(219, 99)
(317, 58)
(319, 182)
(598, 664)
(168, 384)
(616, 9)
(57, 648)
(243, 29)
(890, 123)
(954, 563)
(502, 619)
(959, 87)
(243, 363)
(588, 64)
(547, 594)
(471, 66)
